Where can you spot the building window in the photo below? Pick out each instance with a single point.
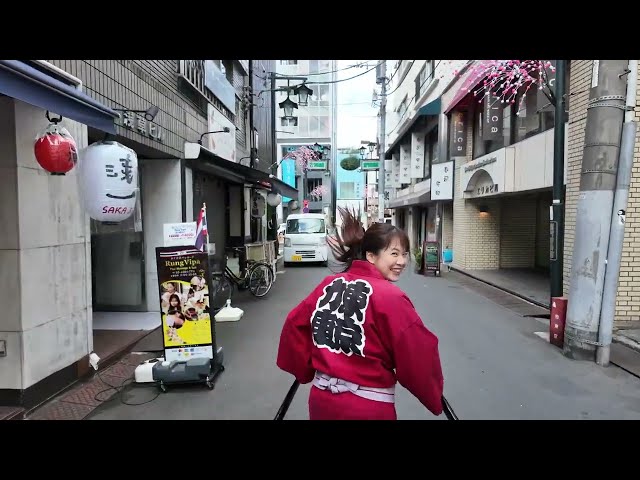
(402, 108)
(288, 121)
(424, 78)
(314, 183)
(324, 130)
(288, 62)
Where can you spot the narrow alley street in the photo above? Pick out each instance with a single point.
(495, 366)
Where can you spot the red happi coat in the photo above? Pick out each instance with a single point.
(361, 328)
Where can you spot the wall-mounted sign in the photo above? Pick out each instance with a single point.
(458, 135)
(492, 117)
(216, 82)
(417, 155)
(442, 181)
(405, 163)
(288, 168)
(487, 188)
(388, 174)
(137, 123)
(395, 170)
(490, 174)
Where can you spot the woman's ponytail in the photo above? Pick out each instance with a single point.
(347, 246)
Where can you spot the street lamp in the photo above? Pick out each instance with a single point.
(303, 93)
(288, 105)
(224, 130)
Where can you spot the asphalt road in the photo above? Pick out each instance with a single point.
(495, 366)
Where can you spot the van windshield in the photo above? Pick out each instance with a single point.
(305, 225)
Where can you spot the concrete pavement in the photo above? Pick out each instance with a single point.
(495, 366)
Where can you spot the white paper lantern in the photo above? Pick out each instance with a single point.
(274, 199)
(108, 176)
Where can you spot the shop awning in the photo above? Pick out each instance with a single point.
(27, 84)
(430, 109)
(415, 198)
(200, 158)
(472, 78)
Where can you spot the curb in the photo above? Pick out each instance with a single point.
(626, 341)
(499, 287)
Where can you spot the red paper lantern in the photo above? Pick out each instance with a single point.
(55, 149)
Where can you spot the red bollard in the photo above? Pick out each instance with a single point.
(557, 320)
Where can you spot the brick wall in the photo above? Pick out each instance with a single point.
(518, 232)
(476, 239)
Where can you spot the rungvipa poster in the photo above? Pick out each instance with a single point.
(187, 327)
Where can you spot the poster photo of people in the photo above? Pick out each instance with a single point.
(184, 298)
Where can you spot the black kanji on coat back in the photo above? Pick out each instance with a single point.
(337, 322)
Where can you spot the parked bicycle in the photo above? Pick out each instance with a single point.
(258, 277)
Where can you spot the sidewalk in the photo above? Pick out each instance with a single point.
(102, 386)
(528, 284)
(533, 286)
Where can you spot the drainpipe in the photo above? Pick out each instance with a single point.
(616, 235)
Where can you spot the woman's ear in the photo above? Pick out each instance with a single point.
(371, 258)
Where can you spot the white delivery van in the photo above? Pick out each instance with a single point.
(305, 239)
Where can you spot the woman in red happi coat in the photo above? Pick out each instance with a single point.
(357, 334)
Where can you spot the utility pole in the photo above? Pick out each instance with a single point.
(556, 257)
(273, 234)
(595, 202)
(616, 236)
(381, 79)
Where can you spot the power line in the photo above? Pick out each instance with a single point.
(396, 71)
(344, 79)
(324, 106)
(326, 72)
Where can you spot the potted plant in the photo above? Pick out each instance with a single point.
(417, 256)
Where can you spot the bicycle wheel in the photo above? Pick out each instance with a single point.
(260, 279)
(222, 291)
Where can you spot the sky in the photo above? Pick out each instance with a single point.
(357, 118)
